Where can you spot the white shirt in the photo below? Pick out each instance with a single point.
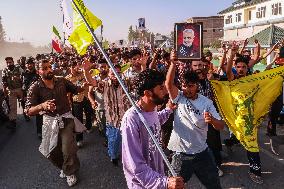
(130, 73)
(190, 130)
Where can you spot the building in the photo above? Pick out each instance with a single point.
(162, 40)
(245, 18)
(212, 28)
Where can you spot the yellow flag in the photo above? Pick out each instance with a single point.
(80, 39)
(124, 67)
(244, 102)
(95, 72)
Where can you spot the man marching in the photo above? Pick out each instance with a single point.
(48, 96)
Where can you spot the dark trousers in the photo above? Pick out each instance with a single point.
(101, 121)
(254, 163)
(64, 155)
(202, 164)
(39, 122)
(214, 143)
(78, 109)
(274, 113)
(166, 131)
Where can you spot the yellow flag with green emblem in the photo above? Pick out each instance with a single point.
(244, 102)
(80, 39)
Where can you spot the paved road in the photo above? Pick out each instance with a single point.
(23, 167)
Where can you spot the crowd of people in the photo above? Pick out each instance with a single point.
(69, 94)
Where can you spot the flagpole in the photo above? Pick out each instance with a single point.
(128, 95)
(63, 31)
(102, 35)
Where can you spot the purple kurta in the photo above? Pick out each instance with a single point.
(142, 163)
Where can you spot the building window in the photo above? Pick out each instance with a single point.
(229, 19)
(249, 18)
(261, 12)
(276, 9)
(214, 30)
(204, 30)
(238, 17)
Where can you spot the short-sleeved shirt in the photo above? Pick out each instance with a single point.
(190, 130)
(39, 93)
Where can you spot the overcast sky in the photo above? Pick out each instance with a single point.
(32, 20)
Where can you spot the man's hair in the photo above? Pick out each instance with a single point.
(208, 53)
(39, 56)
(42, 61)
(102, 61)
(147, 80)
(125, 55)
(134, 52)
(188, 31)
(242, 59)
(203, 59)
(166, 55)
(9, 58)
(190, 77)
(62, 58)
(117, 66)
(30, 60)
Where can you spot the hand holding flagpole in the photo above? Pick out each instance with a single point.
(126, 92)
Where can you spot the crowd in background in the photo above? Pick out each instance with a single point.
(101, 101)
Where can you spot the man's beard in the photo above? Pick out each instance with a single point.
(104, 73)
(241, 73)
(48, 76)
(189, 95)
(11, 67)
(115, 82)
(198, 71)
(157, 100)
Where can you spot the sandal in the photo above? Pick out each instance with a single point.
(71, 180)
(255, 178)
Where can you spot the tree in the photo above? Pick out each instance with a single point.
(216, 44)
(138, 35)
(2, 32)
(130, 33)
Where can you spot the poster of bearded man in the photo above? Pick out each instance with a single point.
(188, 40)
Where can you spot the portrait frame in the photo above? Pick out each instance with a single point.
(190, 47)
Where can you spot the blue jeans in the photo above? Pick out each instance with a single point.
(114, 141)
(202, 164)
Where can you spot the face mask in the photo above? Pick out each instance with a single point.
(11, 67)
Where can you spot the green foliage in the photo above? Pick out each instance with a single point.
(205, 50)
(133, 34)
(216, 44)
(263, 61)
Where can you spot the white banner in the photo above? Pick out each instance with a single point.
(67, 22)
